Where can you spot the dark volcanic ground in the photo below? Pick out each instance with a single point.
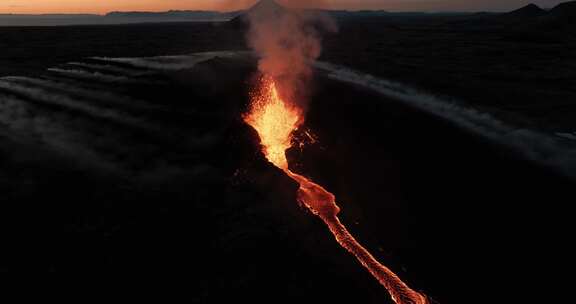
(111, 166)
(143, 166)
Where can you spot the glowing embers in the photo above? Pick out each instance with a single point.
(275, 120)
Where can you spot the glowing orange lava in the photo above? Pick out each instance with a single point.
(275, 121)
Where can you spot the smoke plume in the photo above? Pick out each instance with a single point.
(288, 40)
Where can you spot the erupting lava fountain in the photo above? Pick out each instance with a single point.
(275, 120)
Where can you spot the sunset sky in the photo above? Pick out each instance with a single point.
(103, 6)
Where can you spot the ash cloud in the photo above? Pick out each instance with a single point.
(288, 40)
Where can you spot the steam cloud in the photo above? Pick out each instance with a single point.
(288, 41)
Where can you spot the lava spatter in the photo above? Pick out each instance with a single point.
(275, 121)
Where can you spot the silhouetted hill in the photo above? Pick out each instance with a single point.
(267, 6)
(522, 16)
(528, 11)
(566, 9)
(560, 19)
(262, 8)
(564, 13)
(527, 16)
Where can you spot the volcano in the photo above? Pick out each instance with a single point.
(266, 6)
(269, 8)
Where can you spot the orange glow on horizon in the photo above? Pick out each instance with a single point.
(105, 6)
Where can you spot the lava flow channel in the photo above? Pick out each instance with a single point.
(275, 121)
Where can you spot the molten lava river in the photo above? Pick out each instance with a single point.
(275, 121)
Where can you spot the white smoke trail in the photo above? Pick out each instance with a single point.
(569, 136)
(534, 145)
(47, 97)
(105, 68)
(99, 96)
(84, 75)
(97, 145)
(172, 63)
(26, 122)
(553, 150)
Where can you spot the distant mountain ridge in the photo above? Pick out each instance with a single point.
(528, 11)
(564, 10)
(114, 18)
(171, 14)
(530, 18)
(50, 15)
(563, 16)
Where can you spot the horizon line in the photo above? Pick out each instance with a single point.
(240, 10)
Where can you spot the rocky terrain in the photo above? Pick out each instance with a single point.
(447, 139)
